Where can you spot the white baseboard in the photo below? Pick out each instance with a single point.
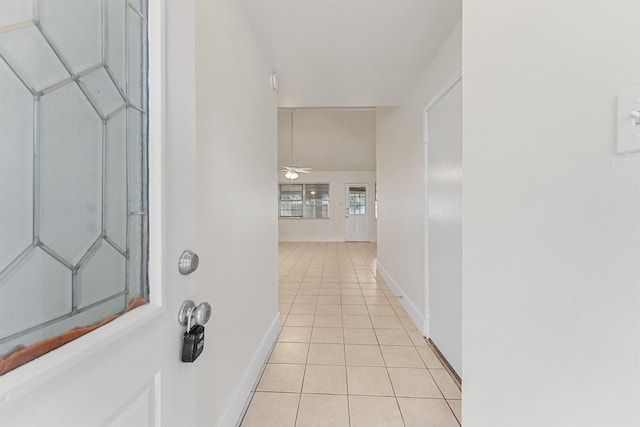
(244, 391)
(408, 305)
(307, 239)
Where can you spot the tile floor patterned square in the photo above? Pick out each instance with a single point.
(359, 336)
(352, 300)
(359, 309)
(325, 379)
(417, 338)
(299, 319)
(306, 299)
(290, 285)
(376, 300)
(329, 309)
(282, 378)
(407, 323)
(429, 358)
(372, 411)
(313, 291)
(272, 410)
(302, 309)
(348, 354)
(401, 356)
(381, 310)
(411, 382)
(286, 352)
(393, 337)
(426, 413)
(284, 308)
(328, 321)
(368, 381)
(295, 334)
(446, 384)
(286, 299)
(356, 321)
(329, 292)
(329, 299)
(395, 302)
(327, 335)
(386, 322)
(400, 312)
(363, 355)
(311, 282)
(323, 410)
(326, 354)
(456, 407)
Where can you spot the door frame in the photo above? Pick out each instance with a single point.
(450, 84)
(24, 380)
(367, 206)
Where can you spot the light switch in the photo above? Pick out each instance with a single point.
(628, 121)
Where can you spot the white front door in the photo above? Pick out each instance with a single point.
(128, 372)
(357, 222)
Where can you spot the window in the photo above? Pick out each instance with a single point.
(357, 200)
(291, 200)
(304, 200)
(73, 171)
(376, 201)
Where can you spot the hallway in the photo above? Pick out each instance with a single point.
(348, 353)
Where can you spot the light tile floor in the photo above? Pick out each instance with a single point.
(348, 353)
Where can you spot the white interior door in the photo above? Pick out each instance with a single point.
(444, 223)
(357, 217)
(127, 372)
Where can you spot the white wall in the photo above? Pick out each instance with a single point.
(237, 205)
(443, 129)
(328, 139)
(551, 223)
(332, 229)
(401, 180)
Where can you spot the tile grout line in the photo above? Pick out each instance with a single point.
(345, 355)
(344, 347)
(304, 373)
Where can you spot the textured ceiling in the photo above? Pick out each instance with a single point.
(350, 53)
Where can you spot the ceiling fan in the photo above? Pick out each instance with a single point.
(293, 172)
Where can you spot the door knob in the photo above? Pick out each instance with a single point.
(189, 313)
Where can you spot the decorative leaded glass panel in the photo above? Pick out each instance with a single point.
(73, 169)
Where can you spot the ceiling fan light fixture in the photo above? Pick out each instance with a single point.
(291, 175)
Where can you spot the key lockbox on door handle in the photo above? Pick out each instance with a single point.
(194, 318)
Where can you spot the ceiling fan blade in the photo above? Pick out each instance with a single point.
(295, 169)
